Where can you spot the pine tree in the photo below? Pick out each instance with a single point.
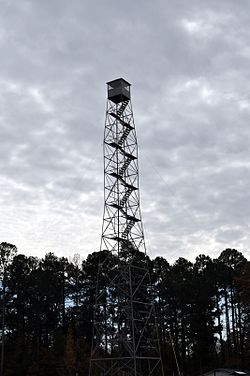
(70, 356)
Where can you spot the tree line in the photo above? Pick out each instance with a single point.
(46, 312)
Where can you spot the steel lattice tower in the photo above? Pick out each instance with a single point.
(125, 340)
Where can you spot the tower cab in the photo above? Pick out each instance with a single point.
(118, 90)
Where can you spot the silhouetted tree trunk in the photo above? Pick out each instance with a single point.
(7, 252)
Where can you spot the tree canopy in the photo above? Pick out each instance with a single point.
(202, 307)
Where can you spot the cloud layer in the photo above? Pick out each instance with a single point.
(188, 63)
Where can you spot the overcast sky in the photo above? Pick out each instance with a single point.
(189, 66)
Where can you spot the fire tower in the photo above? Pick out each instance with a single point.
(125, 340)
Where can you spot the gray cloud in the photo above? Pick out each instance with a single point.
(189, 66)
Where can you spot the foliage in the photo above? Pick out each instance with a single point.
(203, 311)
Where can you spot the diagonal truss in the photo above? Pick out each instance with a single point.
(125, 340)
